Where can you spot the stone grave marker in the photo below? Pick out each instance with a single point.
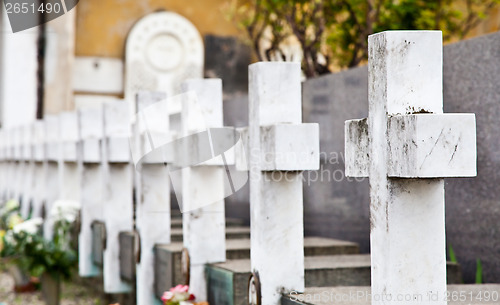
(203, 188)
(40, 167)
(29, 166)
(118, 205)
(163, 49)
(18, 165)
(91, 197)
(280, 148)
(152, 187)
(10, 166)
(407, 146)
(70, 172)
(52, 178)
(3, 164)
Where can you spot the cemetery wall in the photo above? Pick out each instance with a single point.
(102, 25)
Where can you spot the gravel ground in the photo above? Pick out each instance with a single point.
(72, 294)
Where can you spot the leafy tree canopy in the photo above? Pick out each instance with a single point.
(335, 32)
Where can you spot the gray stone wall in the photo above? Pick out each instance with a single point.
(472, 84)
(334, 205)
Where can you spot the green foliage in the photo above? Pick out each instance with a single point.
(336, 31)
(9, 215)
(479, 272)
(451, 254)
(35, 255)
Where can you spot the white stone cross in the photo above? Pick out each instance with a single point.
(406, 147)
(280, 148)
(11, 164)
(18, 165)
(70, 173)
(118, 205)
(4, 165)
(40, 159)
(203, 189)
(62, 137)
(28, 173)
(91, 184)
(152, 187)
(52, 179)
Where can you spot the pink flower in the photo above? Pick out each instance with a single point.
(180, 288)
(177, 294)
(167, 296)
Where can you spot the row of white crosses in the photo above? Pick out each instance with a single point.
(163, 49)
(41, 165)
(16, 164)
(81, 157)
(85, 156)
(407, 146)
(105, 186)
(152, 129)
(396, 143)
(178, 132)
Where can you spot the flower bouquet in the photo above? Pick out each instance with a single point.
(179, 295)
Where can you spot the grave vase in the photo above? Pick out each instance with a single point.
(21, 278)
(51, 289)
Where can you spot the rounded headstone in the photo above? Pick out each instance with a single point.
(163, 49)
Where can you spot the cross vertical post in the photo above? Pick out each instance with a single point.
(118, 205)
(280, 148)
(152, 187)
(203, 190)
(91, 183)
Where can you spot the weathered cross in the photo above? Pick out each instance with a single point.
(52, 179)
(91, 195)
(18, 164)
(203, 189)
(280, 148)
(152, 187)
(406, 147)
(118, 206)
(70, 174)
(29, 169)
(39, 156)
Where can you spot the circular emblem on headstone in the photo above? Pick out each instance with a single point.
(165, 52)
(163, 49)
(254, 296)
(185, 265)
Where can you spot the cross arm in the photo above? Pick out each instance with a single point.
(419, 146)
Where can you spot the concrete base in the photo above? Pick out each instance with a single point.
(227, 282)
(230, 222)
(473, 295)
(170, 255)
(231, 233)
